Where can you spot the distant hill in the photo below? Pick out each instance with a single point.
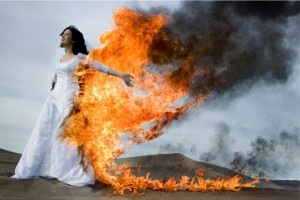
(161, 166)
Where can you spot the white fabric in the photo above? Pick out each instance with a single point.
(94, 64)
(45, 154)
(100, 67)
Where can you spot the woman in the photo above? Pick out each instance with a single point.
(45, 154)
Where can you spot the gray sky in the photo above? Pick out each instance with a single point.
(29, 38)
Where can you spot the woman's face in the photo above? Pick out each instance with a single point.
(66, 38)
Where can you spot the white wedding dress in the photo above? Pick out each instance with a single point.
(45, 154)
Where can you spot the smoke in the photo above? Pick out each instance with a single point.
(267, 158)
(220, 150)
(270, 158)
(278, 11)
(184, 146)
(226, 49)
(234, 45)
(227, 43)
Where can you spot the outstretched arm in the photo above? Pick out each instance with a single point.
(127, 78)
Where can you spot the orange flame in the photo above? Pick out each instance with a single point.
(135, 184)
(107, 110)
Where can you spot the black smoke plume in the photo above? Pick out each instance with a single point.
(220, 150)
(184, 146)
(220, 45)
(269, 158)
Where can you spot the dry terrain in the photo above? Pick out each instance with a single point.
(160, 166)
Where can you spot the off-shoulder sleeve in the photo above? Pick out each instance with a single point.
(94, 64)
(99, 67)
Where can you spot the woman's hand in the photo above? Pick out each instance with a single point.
(128, 80)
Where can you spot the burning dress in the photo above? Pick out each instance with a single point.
(47, 155)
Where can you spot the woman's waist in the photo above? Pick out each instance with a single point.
(63, 89)
(63, 77)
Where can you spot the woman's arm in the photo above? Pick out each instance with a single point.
(127, 78)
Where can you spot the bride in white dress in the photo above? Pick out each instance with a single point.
(45, 154)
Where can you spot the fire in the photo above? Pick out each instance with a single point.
(110, 117)
(196, 184)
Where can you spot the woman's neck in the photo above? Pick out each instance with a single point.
(68, 50)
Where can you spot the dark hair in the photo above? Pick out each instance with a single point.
(77, 37)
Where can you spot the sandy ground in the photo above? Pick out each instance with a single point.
(158, 165)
